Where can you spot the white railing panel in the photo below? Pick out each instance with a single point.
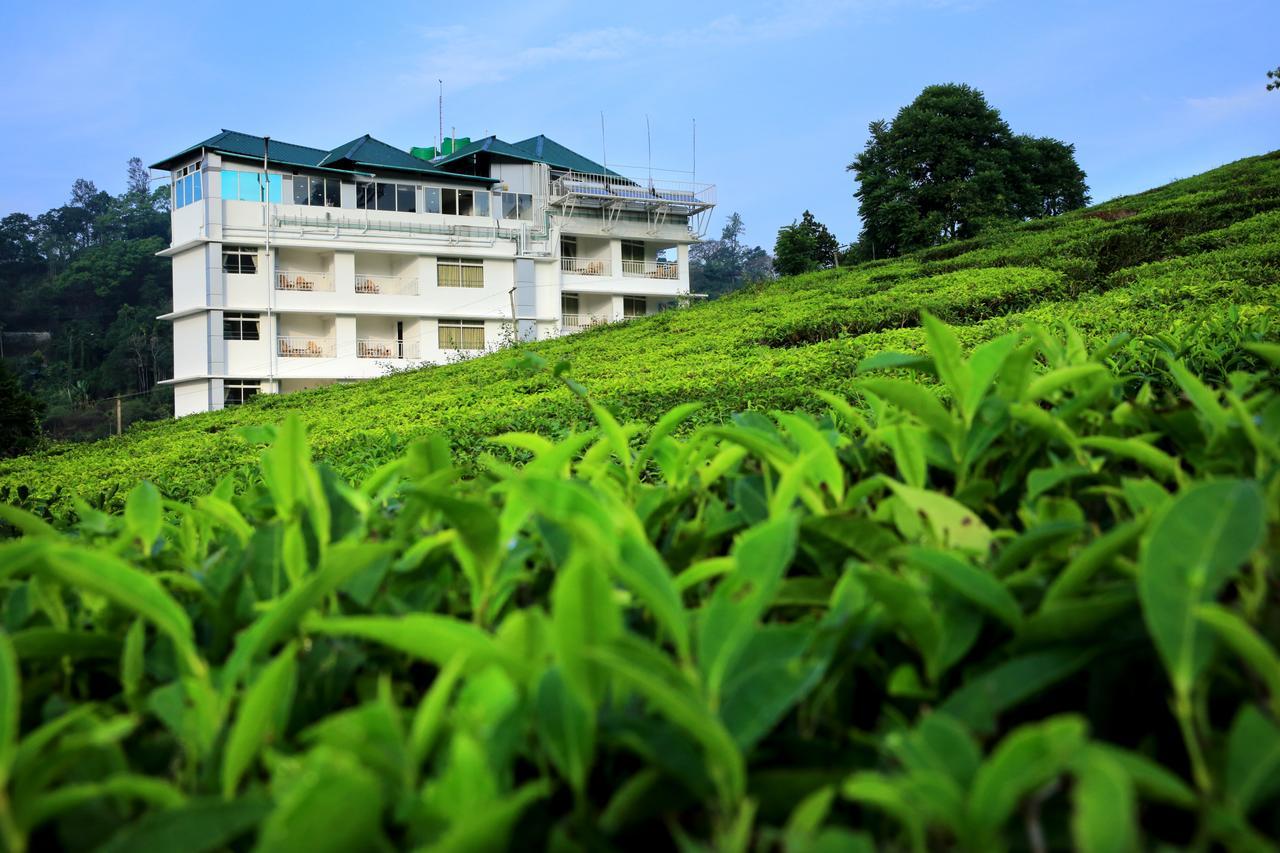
(386, 348)
(586, 266)
(395, 285)
(669, 270)
(304, 346)
(303, 280)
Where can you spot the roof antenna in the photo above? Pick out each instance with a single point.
(440, 134)
(649, 139)
(604, 152)
(694, 174)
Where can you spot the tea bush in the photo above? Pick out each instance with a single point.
(1029, 603)
(1194, 262)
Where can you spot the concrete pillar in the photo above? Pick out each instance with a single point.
(615, 307)
(344, 334)
(344, 273)
(682, 266)
(615, 259)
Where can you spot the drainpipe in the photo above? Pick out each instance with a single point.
(272, 333)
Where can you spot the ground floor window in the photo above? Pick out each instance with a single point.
(459, 272)
(461, 334)
(237, 392)
(239, 327)
(633, 306)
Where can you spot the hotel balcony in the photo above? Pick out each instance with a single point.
(586, 266)
(305, 346)
(396, 285)
(669, 270)
(304, 280)
(387, 348)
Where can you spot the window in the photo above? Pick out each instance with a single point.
(433, 199)
(247, 186)
(459, 272)
(240, 260)
(239, 327)
(383, 196)
(633, 306)
(517, 206)
(461, 334)
(568, 247)
(569, 304)
(236, 392)
(318, 192)
(187, 185)
(456, 202)
(633, 250)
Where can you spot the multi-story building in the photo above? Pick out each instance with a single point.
(295, 267)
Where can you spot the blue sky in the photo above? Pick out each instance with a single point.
(782, 91)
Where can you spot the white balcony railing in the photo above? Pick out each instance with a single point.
(652, 269)
(585, 266)
(573, 322)
(304, 346)
(395, 285)
(581, 188)
(302, 280)
(386, 348)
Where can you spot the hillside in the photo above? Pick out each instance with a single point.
(1194, 262)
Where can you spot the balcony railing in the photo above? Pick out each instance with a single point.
(574, 322)
(395, 285)
(303, 346)
(651, 269)
(585, 266)
(301, 280)
(386, 348)
(581, 188)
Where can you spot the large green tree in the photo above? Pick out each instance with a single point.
(804, 246)
(717, 267)
(948, 165)
(20, 415)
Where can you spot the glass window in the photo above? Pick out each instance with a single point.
(569, 303)
(274, 183)
(365, 196)
(239, 260)
(632, 250)
(332, 192)
(386, 196)
(237, 393)
(459, 272)
(461, 334)
(180, 193)
(482, 203)
(633, 306)
(250, 186)
(450, 201)
(509, 206)
(239, 327)
(230, 185)
(300, 193)
(317, 192)
(526, 206)
(404, 198)
(465, 203)
(433, 199)
(568, 247)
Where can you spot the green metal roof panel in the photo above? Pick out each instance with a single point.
(489, 145)
(548, 151)
(248, 145)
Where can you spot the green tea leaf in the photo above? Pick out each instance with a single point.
(143, 515)
(584, 615)
(1025, 760)
(264, 710)
(975, 585)
(1253, 761)
(953, 524)
(10, 706)
(199, 826)
(332, 805)
(1105, 809)
(1248, 644)
(566, 730)
(1191, 550)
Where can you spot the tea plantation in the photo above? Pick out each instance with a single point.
(974, 549)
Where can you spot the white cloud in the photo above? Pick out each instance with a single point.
(1220, 107)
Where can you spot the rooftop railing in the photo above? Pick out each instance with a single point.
(582, 188)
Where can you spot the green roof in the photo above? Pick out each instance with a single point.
(536, 149)
(355, 157)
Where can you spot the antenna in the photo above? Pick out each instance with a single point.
(649, 140)
(694, 174)
(440, 135)
(604, 152)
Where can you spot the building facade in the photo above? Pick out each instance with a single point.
(295, 267)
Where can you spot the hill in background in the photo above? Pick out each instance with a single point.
(1194, 263)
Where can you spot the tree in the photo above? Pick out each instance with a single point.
(804, 246)
(720, 266)
(1274, 77)
(139, 181)
(947, 165)
(20, 415)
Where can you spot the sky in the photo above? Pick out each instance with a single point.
(781, 92)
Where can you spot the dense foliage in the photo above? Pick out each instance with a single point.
(1191, 266)
(805, 246)
(1037, 611)
(80, 290)
(717, 267)
(948, 166)
(20, 415)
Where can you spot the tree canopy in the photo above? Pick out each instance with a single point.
(948, 165)
(717, 267)
(804, 246)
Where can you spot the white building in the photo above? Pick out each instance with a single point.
(366, 258)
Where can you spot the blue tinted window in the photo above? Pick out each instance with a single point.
(249, 187)
(196, 180)
(274, 182)
(230, 189)
(180, 189)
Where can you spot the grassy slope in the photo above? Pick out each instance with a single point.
(1173, 260)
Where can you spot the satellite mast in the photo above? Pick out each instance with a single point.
(648, 136)
(440, 133)
(604, 151)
